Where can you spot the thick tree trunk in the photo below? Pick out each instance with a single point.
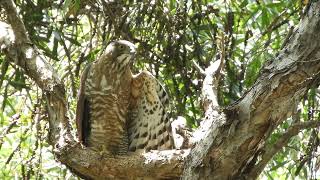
(231, 138)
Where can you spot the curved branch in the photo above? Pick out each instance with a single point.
(229, 143)
(234, 141)
(23, 53)
(15, 21)
(84, 162)
(270, 151)
(153, 165)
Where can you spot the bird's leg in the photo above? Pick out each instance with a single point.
(103, 151)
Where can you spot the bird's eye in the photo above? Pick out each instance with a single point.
(121, 47)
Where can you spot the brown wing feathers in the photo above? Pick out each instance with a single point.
(149, 127)
(83, 110)
(147, 123)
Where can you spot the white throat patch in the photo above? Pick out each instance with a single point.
(124, 59)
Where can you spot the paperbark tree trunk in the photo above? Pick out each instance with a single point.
(231, 138)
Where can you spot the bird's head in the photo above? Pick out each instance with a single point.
(121, 52)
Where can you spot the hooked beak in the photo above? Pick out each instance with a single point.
(133, 49)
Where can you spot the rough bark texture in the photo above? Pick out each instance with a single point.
(234, 141)
(84, 162)
(231, 138)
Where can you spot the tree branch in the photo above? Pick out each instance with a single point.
(23, 53)
(270, 151)
(234, 140)
(83, 161)
(213, 118)
(153, 165)
(229, 142)
(15, 21)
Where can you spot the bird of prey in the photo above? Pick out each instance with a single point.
(119, 112)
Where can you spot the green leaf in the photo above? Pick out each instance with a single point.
(72, 41)
(265, 20)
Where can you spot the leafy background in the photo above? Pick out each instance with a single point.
(174, 37)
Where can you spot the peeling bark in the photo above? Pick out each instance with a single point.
(152, 165)
(235, 143)
(231, 138)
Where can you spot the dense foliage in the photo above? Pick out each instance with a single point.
(177, 40)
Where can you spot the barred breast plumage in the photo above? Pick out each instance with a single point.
(117, 111)
(109, 106)
(104, 99)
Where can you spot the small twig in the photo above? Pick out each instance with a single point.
(312, 60)
(18, 146)
(222, 59)
(312, 147)
(271, 26)
(12, 153)
(15, 119)
(68, 68)
(288, 36)
(197, 66)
